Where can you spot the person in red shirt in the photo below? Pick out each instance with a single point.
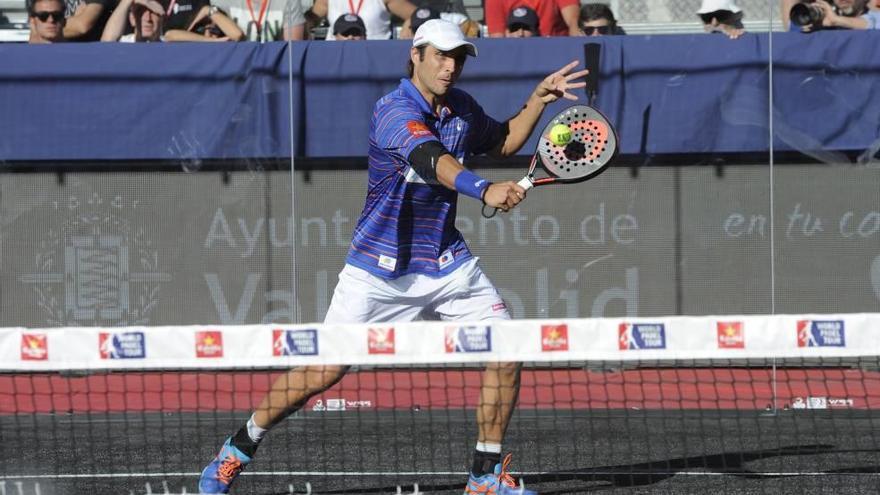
(557, 17)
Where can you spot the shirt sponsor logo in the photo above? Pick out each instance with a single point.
(387, 262)
(34, 347)
(821, 333)
(122, 345)
(417, 129)
(445, 259)
(209, 344)
(731, 335)
(475, 338)
(554, 338)
(380, 340)
(641, 336)
(295, 342)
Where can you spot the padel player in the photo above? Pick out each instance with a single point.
(407, 260)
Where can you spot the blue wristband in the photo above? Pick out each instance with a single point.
(471, 184)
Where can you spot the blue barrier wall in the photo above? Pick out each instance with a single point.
(665, 94)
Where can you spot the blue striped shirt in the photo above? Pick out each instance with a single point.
(408, 224)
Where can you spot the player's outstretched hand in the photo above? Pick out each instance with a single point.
(556, 85)
(504, 195)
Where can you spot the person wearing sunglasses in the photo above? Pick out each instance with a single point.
(722, 16)
(522, 23)
(46, 19)
(597, 19)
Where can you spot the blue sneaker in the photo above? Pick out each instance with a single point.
(218, 476)
(498, 483)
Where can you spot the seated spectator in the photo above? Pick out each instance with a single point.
(555, 17)
(522, 23)
(145, 16)
(422, 15)
(376, 14)
(844, 14)
(266, 20)
(86, 19)
(46, 19)
(208, 24)
(349, 27)
(597, 19)
(722, 16)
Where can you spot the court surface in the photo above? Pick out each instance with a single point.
(558, 452)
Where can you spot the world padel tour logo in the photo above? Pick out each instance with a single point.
(821, 333)
(475, 338)
(641, 336)
(122, 345)
(34, 347)
(295, 342)
(380, 340)
(209, 344)
(730, 335)
(554, 338)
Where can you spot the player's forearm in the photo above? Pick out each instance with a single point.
(522, 124)
(448, 169)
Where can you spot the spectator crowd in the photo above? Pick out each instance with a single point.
(53, 21)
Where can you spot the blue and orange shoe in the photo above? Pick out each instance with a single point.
(498, 483)
(218, 476)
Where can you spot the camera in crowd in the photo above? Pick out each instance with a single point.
(808, 13)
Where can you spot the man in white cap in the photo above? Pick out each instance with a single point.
(721, 16)
(407, 260)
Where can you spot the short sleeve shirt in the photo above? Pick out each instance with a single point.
(408, 223)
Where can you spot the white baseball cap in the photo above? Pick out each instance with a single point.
(709, 6)
(442, 35)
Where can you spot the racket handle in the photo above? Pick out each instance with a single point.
(526, 183)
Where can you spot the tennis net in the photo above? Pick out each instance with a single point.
(757, 404)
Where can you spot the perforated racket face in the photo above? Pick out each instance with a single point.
(592, 146)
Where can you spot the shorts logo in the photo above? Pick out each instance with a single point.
(209, 344)
(498, 307)
(122, 345)
(34, 347)
(554, 338)
(475, 338)
(380, 340)
(821, 333)
(418, 129)
(641, 336)
(730, 335)
(295, 342)
(387, 262)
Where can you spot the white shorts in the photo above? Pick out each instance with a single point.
(465, 294)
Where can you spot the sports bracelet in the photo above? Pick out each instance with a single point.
(471, 184)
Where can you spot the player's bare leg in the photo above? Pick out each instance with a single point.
(292, 390)
(288, 393)
(498, 396)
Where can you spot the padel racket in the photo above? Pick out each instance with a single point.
(592, 147)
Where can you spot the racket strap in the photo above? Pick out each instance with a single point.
(471, 184)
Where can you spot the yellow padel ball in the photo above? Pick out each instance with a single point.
(560, 134)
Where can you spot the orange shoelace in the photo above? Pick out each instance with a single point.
(228, 469)
(505, 477)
